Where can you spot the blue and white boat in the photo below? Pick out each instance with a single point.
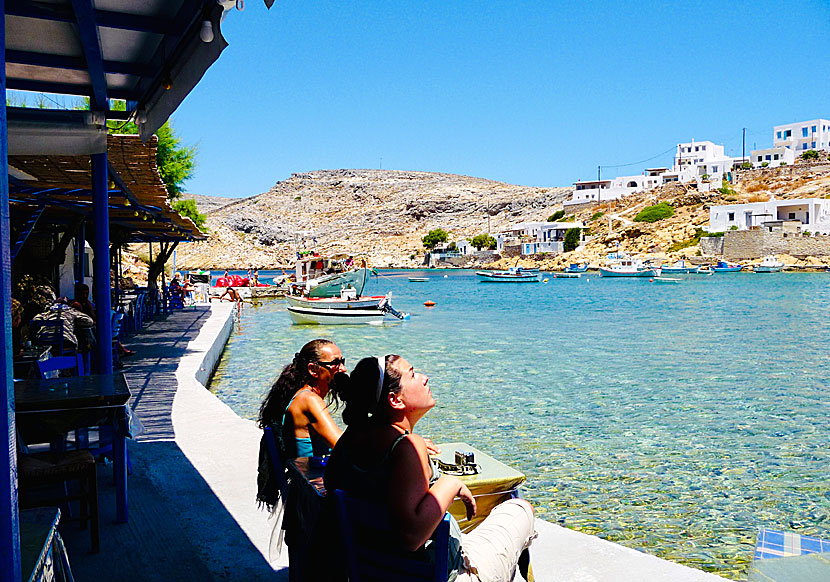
(724, 267)
(679, 268)
(512, 275)
(628, 267)
(769, 264)
(576, 268)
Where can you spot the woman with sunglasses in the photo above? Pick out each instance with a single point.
(296, 402)
(381, 459)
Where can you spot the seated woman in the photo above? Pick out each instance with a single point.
(295, 403)
(380, 458)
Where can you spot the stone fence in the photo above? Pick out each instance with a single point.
(753, 244)
(711, 246)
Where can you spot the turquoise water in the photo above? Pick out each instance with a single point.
(674, 419)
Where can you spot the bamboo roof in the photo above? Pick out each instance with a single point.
(137, 195)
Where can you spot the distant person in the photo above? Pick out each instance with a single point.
(232, 295)
(256, 278)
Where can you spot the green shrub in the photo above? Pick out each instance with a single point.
(765, 164)
(570, 218)
(297, 198)
(746, 166)
(711, 234)
(695, 240)
(704, 177)
(810, 155)
(483, 241)
(655, 213)
(571, 239)
(556, 216)
(783, 163)
(733, 227)
(597, 215)
(725, 190)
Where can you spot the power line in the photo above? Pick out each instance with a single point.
(642, 161)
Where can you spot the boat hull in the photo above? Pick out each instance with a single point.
(766, 269)
(603, 272)
(318, 316)
(335, 302)
(678, 270)
(485, 277)
(332, 285)
(726, 269)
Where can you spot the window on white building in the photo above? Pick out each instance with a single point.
(814, 129)
(778, 135)
(814, 144)
(703, 148)
(775, 156)
(731, 216)
(697, 149)
(768, 157)
(792, 216)
(714, 169)
(759, 158)
(803, 132)
(804, 146)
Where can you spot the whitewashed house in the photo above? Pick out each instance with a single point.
(544, 237)
(604, 190)
(772, 157)
(813, 213)
(703, 160)
(803, 136)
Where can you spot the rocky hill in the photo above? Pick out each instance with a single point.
(207, 204)
(380, 215)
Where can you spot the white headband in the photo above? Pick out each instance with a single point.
(382, 368)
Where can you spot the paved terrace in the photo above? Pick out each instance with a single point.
(193, 484)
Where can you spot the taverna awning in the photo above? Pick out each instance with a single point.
(62, 185)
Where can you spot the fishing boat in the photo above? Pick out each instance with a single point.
(345, 301)
(318, 276)
(626, 266)
(418, 279)
(670, 280)
(512, 275)
(334, 316)
(724, 267)
(678, 268)
(576, 268)
(769, 264)
(567, 275)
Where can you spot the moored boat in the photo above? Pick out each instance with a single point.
(625, 266)
(724, 267)
(513, 275)
(418, 279)
(353, 302)
(576, 268)
(333, 316)
(678, 268)
(769, 264)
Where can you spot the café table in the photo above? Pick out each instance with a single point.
(45, 409)
(25, 363)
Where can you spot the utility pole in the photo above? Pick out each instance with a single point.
(743, 147)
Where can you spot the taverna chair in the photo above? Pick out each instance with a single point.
(362, 523)
(53, 366)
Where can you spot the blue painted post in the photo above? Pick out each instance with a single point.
(101, 261)
(10, 525)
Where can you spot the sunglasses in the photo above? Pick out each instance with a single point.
(336, 363)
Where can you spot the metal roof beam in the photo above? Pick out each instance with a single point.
(72, 63)
(105, 18)
(64, 89)
(91, 43)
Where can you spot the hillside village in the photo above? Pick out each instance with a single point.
(382, 215)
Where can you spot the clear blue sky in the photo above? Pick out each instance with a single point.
(531, 93)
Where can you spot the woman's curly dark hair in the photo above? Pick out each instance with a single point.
(362, 400)
(293, 377)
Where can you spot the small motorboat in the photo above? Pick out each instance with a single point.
(513, 275)
(331, 316)
(670, 280)
(567, 275)
(348, 300)
(576, 268)
(625, 266)
(418, 279)
(678, 268)
(769, 265)
(724, 267)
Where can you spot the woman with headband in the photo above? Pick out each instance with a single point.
(296, 401)
(381, 459)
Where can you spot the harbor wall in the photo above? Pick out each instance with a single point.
(711, 246)
(753, 244)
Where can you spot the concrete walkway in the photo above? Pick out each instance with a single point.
(192, 492)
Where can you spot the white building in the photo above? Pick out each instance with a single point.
(543, 237)
(603, 190)
(814, 214)
(803, 136)
(702, 160)
(772, 157)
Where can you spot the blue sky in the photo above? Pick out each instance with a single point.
(531, 93)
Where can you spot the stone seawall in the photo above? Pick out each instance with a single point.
(753, 244)
(711, 246)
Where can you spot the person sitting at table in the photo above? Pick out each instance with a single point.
(82, 303)
(381, 459)
(17, 320)
(71, 322)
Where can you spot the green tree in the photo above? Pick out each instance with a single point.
(435, 236)
(810, 155)
(556, 216)
(571, 239)
(188, 208)
(482, 241)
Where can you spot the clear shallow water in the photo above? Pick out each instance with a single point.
(674, 419)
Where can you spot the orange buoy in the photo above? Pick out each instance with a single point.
(651, 280)
(429, 303)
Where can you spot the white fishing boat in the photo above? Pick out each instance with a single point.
(418, 279)
(345, 301)
(769, 264)
(625, 266)
(333, 316)
(669, 280)
(512, 275)
(678, 268)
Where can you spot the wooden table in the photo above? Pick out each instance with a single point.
(48, 408)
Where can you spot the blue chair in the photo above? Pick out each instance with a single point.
(50, 368)
(363, 523)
